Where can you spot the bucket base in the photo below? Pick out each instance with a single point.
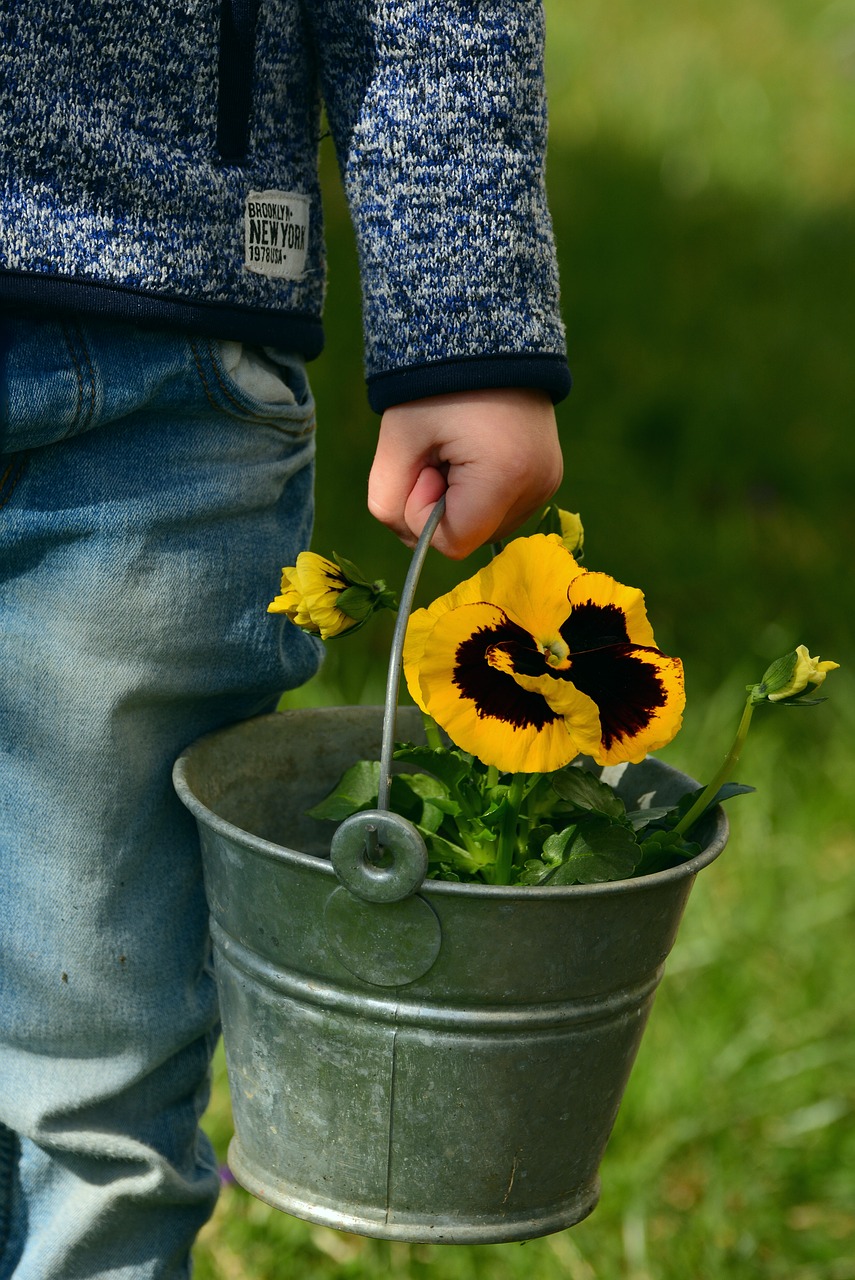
(501, 1228)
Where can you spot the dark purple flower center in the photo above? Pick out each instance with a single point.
(495, 693)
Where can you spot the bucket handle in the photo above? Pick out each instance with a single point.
(378, 855)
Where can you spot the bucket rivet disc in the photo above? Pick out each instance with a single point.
(387, 944)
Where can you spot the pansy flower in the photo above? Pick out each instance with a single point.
(534, 660)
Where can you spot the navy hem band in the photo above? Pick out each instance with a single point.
(548, 373)
(290, 330)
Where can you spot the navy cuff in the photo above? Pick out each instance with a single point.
(547, 373)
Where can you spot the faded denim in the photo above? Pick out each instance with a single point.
(147, 503)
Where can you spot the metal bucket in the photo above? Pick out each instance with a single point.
(443, 1068)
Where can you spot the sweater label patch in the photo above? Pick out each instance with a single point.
(276, 233)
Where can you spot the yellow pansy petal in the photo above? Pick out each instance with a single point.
(419, 628)
(423, 621)
(482, 709)
(291, 601)
(640, 698)
(331, 622)
(530, 580)
(579, 712)
(605, 612)
(279, 604)
(318, 579)
(290, 595)
(286, 603)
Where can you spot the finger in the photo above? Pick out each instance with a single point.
(425, 494)
(487, 507)
(394, 474)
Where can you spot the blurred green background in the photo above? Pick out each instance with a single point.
(701, 175)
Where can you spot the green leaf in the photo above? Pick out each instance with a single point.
(600, 850)
(725, 792)
(585, 791)
(446, 806)
(554, 847)
(404, 799)
(444, 872)
(446, 852)
(537, 837)
(641, 818)
(432, 817)
(535, 871)
(356, 602)
(356, 790)
(664, 849)
(353, 574)
(495, 815)
(415, 795)
(731, 789)
(423, 784)
(656, 820)
(446, 763)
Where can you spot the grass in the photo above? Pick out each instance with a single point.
(701, 172)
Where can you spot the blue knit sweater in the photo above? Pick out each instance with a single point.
(159, 164)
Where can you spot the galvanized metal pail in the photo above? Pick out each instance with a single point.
(446, 1067)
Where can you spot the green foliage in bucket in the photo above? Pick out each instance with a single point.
(546, 681)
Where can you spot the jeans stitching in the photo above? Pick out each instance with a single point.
(93, 394)
(297, 433)
(82, 418)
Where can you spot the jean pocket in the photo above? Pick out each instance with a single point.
(48, 387)
(262, 385)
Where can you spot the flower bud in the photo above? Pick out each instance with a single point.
(572, 533)
(328, 598)
(310, 593)
(568, 526)
(789, 676)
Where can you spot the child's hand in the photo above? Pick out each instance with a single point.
(495, 453)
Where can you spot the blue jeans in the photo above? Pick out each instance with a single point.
(147, 504)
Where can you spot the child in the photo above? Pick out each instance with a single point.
(161, 280)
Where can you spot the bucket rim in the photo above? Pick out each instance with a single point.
(204, 815)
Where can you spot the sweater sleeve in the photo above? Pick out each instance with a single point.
(438, 112)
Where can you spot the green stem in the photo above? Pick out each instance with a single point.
(432, 736)
(508, 832)
(730, 761)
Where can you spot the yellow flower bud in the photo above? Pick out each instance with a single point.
(804, 670)
(572, 533)
(310, 593)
